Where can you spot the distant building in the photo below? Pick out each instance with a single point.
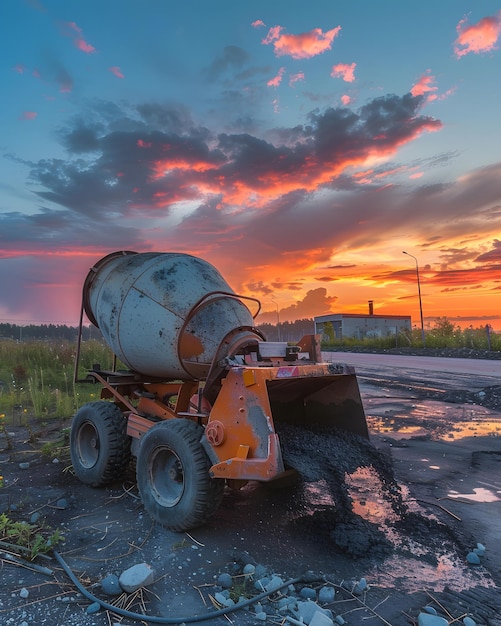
(362, 326)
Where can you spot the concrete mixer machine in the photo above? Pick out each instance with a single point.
(199, 395)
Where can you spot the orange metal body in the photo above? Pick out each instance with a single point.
(240, 426)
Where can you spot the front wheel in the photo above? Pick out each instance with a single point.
(99, 444)
(173, 475)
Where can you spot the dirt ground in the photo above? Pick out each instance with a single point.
(403, 512)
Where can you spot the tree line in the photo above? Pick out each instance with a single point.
(285, 331)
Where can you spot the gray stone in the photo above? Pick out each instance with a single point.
(430, 609)
(308, 593)
(258, 607)
(221, 597)
(480, 549)
(260, 584)
(274, 583)
(111, 585)
(326, 595)
(225, 581)
(24, 465)
(307, 609)
(35, 517)
(425, 619)
(339, 619)
(136, 577)
(93, 608)
(468, 621)
(24, 593)
(472, 558)
(261, 616)
(62, 503)
(249, 569)
(320, 619)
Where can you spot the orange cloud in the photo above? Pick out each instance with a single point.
(302, 46)
(478, 38)
(114, 69)
(344, 71)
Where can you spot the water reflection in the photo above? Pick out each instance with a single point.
(479, 495)
(437, 420)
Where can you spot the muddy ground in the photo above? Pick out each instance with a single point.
(402, 511)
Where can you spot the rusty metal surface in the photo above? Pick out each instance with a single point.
(156, 311)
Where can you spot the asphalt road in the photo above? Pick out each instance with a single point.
(479, 367)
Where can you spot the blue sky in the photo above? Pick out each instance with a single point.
(299, 147)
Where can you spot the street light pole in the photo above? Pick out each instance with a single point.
(419, 294)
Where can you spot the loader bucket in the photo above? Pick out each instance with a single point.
(257, 406)
(325, 400)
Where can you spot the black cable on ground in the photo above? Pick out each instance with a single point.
(169, 620)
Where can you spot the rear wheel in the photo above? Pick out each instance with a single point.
(99, 445)
(173, 475)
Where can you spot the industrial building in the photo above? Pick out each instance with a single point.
(361, 326)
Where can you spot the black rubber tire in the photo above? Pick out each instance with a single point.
(99, 444)
(173, 475)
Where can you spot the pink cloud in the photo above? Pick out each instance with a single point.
(28, 115)
(19, 68)
(302, 46)
(72, 30)
(344, 71)
(346, 99)
(478, 38)
(424, 86)
(258, 23)
(114, 69)
(296, 78)
(275, 82)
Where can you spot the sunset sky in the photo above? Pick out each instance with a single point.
(300, 147)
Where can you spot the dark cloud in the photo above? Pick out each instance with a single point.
(63, 231)
(493, 256)
(126, 146)
(315, 302)
(231, 59)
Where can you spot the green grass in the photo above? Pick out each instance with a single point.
(36, 377)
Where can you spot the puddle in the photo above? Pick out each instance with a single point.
(364, 489)
(437, 420)
(475, 429)
(479, 495)
(415, 575)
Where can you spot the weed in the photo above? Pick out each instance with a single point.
(28, 539)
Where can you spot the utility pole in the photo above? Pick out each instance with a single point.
(419, 294)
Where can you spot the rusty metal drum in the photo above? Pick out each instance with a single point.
(164, 314)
